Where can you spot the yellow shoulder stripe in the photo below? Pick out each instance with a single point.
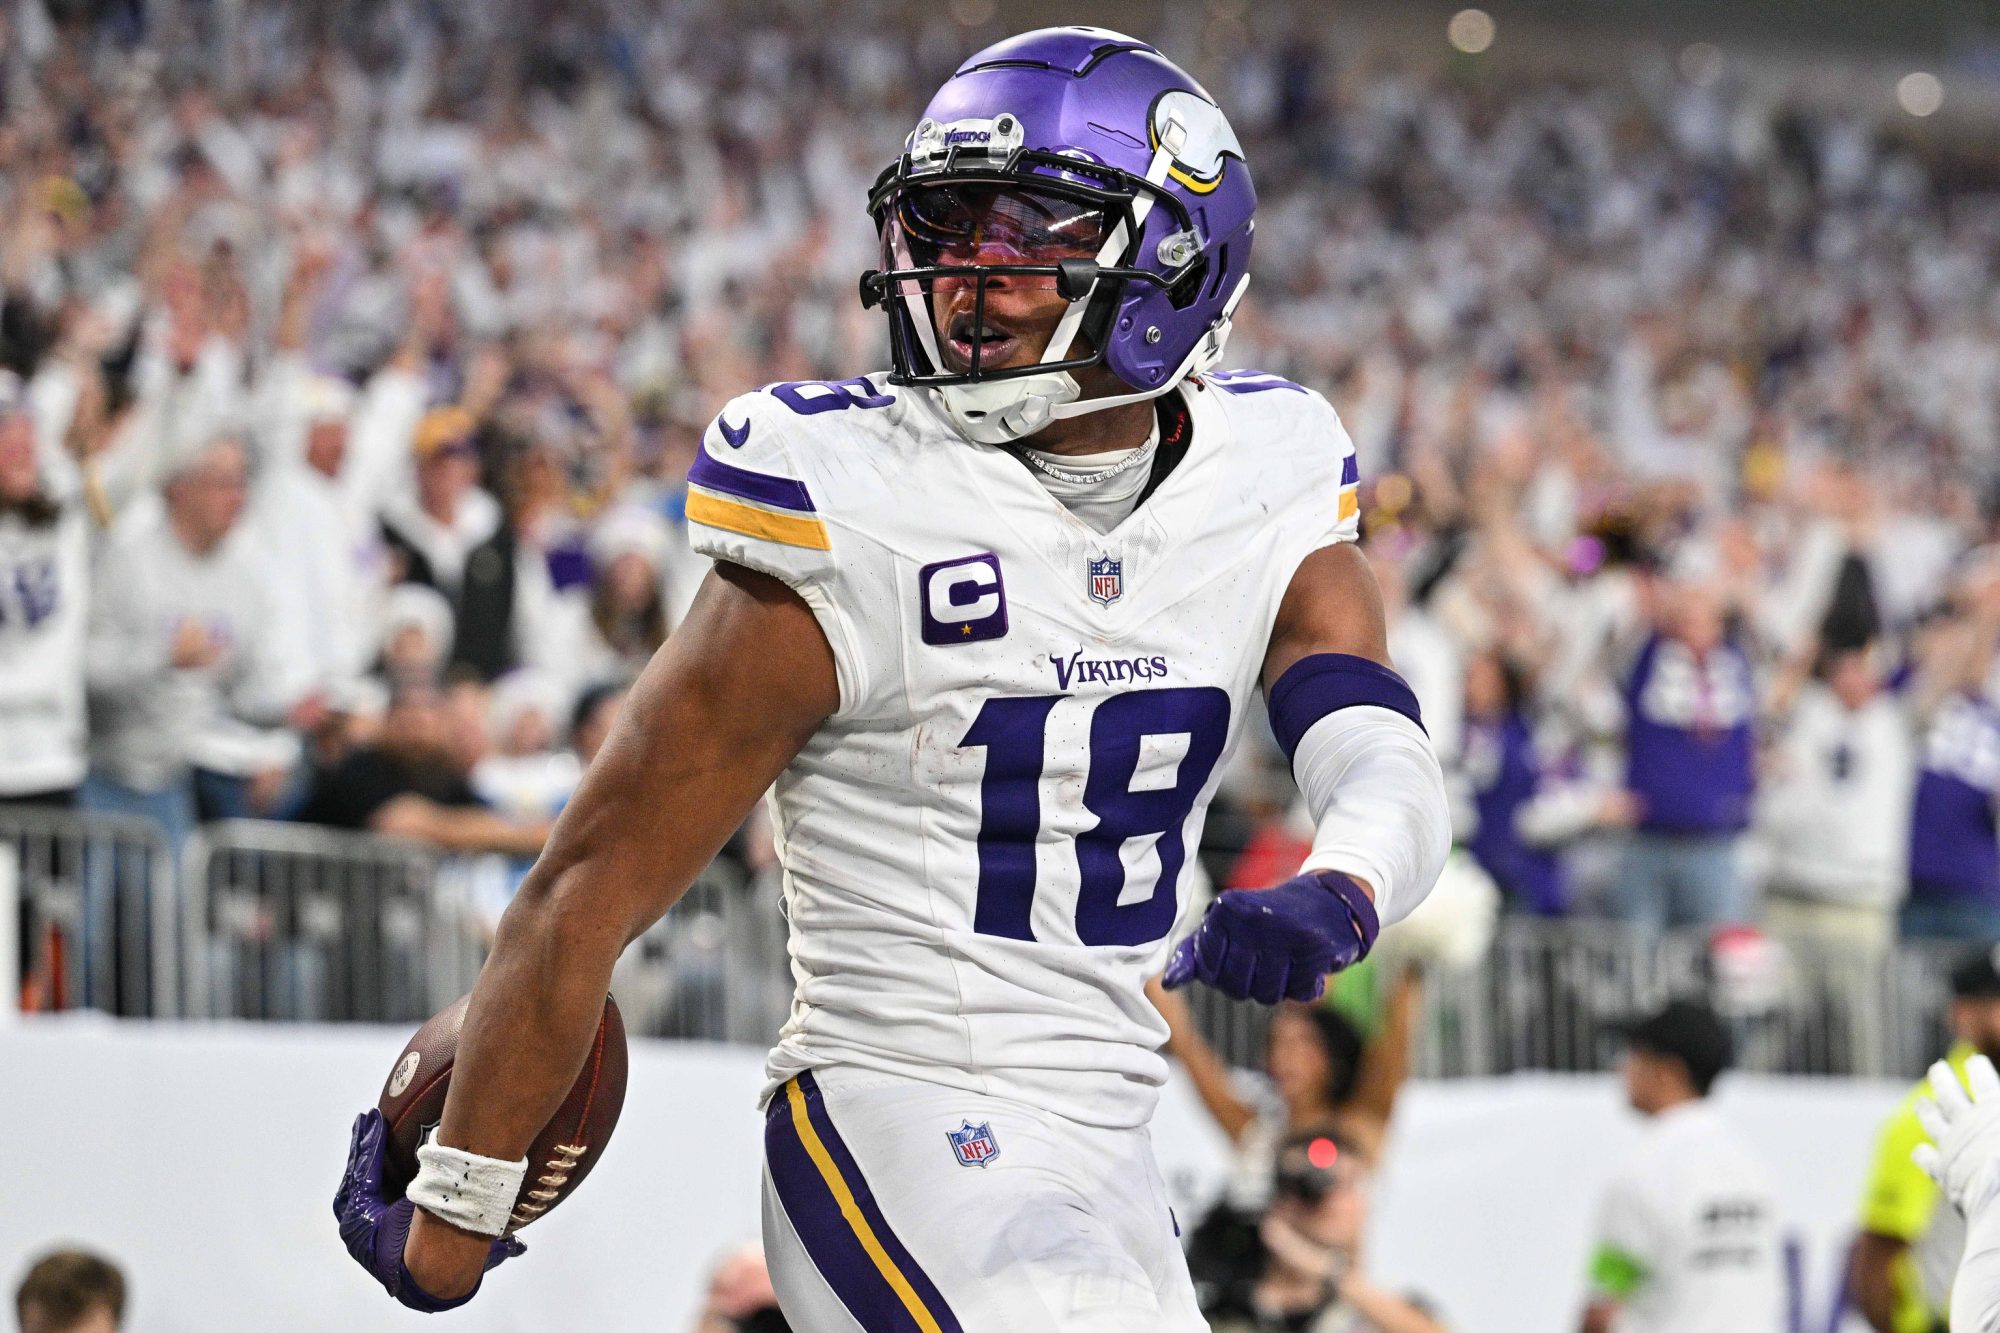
(1350, 503)
(733, 516)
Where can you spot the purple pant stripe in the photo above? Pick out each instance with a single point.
(850, 1170)
(829, 1238)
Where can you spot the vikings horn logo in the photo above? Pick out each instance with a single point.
(1207, 140)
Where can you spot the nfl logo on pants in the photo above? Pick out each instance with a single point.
(1107, 580)
(973, 1144)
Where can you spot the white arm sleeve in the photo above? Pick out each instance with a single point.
(1975, 1293)
(1376, 793)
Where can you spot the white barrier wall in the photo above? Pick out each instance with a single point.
(204, 1158)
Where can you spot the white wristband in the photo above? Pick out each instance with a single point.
(471, 1192)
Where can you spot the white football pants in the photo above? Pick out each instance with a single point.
(897, 1206)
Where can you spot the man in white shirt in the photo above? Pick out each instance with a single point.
(334, 570)
(1687, 1239)
(1835, 812)
(186, 672)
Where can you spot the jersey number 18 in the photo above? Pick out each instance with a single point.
(1014, 731)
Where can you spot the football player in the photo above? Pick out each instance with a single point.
(1962, 1117)
(987, 627)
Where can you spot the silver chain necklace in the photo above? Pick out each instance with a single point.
(1143, 454)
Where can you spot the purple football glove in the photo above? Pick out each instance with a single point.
(374, 1226)
(1278, 943)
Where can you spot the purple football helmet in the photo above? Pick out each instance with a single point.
(1110, 175)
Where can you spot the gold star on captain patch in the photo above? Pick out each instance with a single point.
(965, 629)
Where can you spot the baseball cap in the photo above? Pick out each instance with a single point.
(1977, 975)
(1689, 1032)
(443, 428)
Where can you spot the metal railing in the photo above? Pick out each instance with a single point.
(279, 921)
(1553, 996)
(95, 913)
(314, 924)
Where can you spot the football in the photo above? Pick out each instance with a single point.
(561, 1155)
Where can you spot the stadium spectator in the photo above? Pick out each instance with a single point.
(625, 618)
(1954, 846)
(1319, 1074)
(1911, 1237)
(315, 450)
(1687, 1235)
(1500, 760)
(449, 535)
(416, 633)
(413, 782)
(1522, 812)
(71, 1291)
(189, 691)
(1690, 764)
(1301, 1268)
(525, 776)
(740, 1297)
(44, 607)
(1835, 812)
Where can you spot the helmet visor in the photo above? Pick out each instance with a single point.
(983, 223)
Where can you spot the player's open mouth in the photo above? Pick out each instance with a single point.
(995, 341)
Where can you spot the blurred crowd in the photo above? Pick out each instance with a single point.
(354, 358)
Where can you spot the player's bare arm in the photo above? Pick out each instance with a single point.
(1332, 606)
(716, 716)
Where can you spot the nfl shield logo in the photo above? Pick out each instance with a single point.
(973, 1144)
(1107, 580)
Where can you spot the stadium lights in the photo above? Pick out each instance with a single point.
(1919, 93)
(1470, 31)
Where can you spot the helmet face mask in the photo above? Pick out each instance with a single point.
(1036, 214)
(1075, 162)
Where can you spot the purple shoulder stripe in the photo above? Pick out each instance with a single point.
(712, 474)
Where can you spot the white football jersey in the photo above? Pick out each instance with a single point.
(44, 607)
(986, 846)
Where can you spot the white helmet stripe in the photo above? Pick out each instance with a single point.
(916, 304)
(1114, 245)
